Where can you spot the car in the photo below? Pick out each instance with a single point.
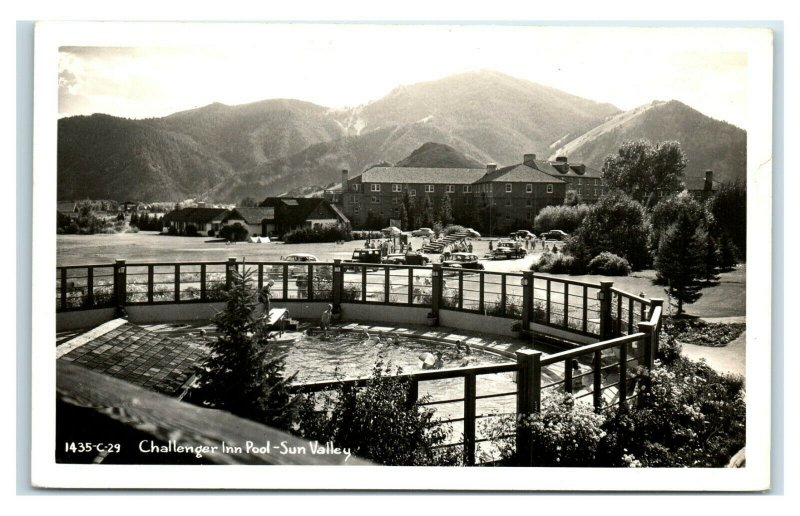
(422, 232)
(507, 250)
(296, 262)
(406, 259)
(463, 261)
(365, 255)
(522, 233)
(554, 234)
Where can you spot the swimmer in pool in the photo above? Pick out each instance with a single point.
(326, 320)
(396, 339)
(439, 362)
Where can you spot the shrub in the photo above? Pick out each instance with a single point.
(616, 224)
(557, 263)
(364, 235)
(565, 218)
(211, 232)
(173, 231)
(691, 416)
(609, 264)
(378, 423)
(326, 233)
(562, 433)
(191, 230)
(234, 232)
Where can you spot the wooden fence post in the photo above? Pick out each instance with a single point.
(436, 292)
(656, 303)
(529, 373)
(606, 321)
(469, 418)
(649, 352)
(229, 268)
(527, 300)
(120, 280)
(337, 284)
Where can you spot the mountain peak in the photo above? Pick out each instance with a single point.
(438, 155)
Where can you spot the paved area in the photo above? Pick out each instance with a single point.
(729, 359)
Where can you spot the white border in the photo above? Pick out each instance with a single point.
(49, 36)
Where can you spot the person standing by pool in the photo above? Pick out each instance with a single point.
(265, 297)
(326, 320)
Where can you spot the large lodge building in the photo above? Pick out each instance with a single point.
(516, 192)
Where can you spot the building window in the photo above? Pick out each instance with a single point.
(528, 203)
(579, 191)
(467, 201)
(508, 202)
(450, 189)
(467, 189)
(355, 188)
(549, 188)
(412, 192)
(375, 187)
(355, 209)
(508, 187)
(530, 215)
(396, 188)
(595, 182)
(595, 192)
(395, 200)
(376, 199)
(428, 188)
(579, 180)
(396, 211)
(529, 188)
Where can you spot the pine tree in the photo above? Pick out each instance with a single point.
(681, 260)
(237, 376)
(427, 213)
(445, 211)
(411, 211)
(404, 225)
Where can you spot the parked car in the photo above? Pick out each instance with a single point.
(365, 255)
(508, 250)
(296, 262)
(463, 261)
(407, 259)
(554, 234)
(422, 232)
(522, 233)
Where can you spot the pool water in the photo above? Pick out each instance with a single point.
(347, 355)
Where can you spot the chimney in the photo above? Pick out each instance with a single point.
(709, 183)
(529, 159)
(344, 180)
(491, 167)
(201, 204)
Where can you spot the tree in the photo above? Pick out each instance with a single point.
(667, 210)
(411, 211)
(616, 224)
(572, 198)
(404, 225)
(729, 208)
(565, 218)
(644, 170)
(248, 202)
(237, 374)
(427, 213)
(234, 232)
(681, 259)
(445, 211)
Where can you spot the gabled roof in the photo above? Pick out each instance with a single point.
(422, 175)
(251, 215)
(294, 211)
(196, 215)
(520, 173)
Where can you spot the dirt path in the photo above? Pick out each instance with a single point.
(727, 359)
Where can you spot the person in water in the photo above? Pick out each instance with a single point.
(396, 339)
(439, 363)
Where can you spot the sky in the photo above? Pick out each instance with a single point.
(140, 74)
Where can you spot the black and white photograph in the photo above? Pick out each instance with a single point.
(376, 256)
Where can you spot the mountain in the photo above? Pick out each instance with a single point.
(706, 142)
(105, 157)
(438, 155)
(223, 153)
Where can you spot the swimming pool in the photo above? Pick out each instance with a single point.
(347, 355)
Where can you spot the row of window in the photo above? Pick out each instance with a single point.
(468, 201)
(376, 187)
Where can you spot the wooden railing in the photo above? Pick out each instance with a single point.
(579, 307)
(615, 367)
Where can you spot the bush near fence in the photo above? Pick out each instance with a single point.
(325, 233)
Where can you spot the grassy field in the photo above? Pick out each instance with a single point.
(724, 298)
